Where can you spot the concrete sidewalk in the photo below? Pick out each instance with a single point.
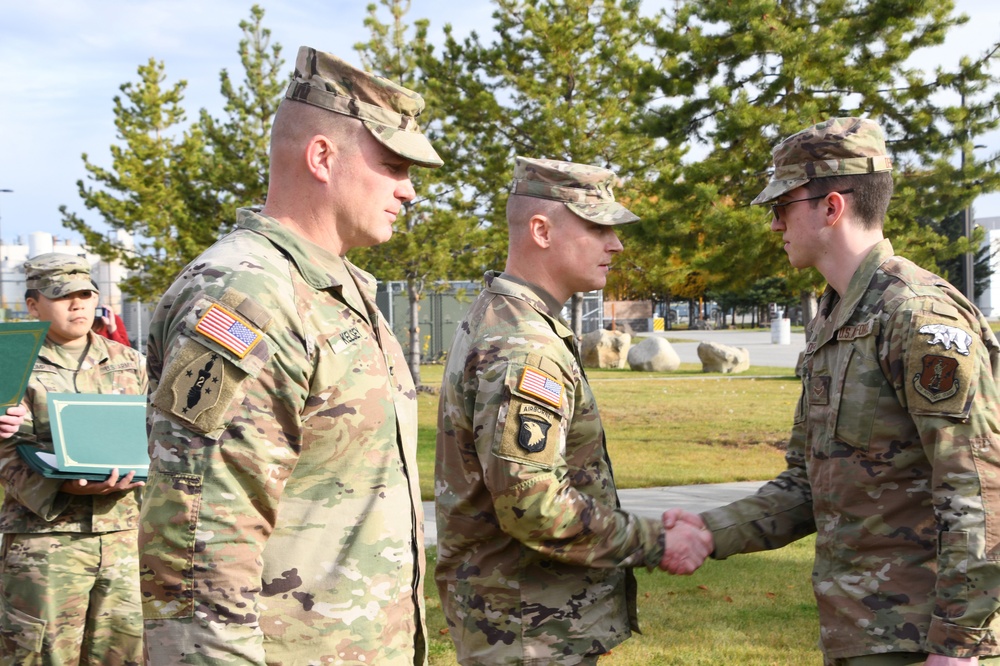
(757, 342)
(651, 502)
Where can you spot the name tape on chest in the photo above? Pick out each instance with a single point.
(228, 329)
(340, 343)
(536, 383)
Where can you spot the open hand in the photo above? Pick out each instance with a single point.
(110, 485)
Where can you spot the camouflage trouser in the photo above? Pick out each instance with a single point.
(895, 659)
(68, 598)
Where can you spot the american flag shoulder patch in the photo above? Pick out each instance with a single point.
(537, 383)
(228, 329)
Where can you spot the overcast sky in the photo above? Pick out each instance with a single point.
(63, 61)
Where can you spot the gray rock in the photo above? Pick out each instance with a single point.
(653, 354)
(723, 358)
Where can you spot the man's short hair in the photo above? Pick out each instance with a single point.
(869, 199)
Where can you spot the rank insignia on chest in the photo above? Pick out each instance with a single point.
(228, 329)
(536, 383)
(937, 379)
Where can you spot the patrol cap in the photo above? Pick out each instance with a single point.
(837, 147)
(585, 189)
(387, 109)
(55, 274)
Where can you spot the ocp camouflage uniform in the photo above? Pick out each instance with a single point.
(532, 546)
(894, 463)
(282, 521)
(69, 560)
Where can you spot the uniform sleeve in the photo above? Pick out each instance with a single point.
(521, 435)
(779, 513)
(942, 372)
(225, 426)
(32, 490)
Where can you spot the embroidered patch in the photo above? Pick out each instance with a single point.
(946, 336)
(534, 433)
(198, 386)
(856, 331)
(530, 434)
(819, 390)
(937, 381)
(542, 386)
(228, 330)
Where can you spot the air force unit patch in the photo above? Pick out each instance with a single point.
(948, 336)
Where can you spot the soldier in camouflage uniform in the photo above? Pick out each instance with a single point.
(534, 552)
(282, 521)
(893, 460)
(69, 586)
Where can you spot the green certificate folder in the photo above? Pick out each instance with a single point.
(93, 433)
(19, 345)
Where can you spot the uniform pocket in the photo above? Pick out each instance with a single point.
(859, 390)
(21, 636)
(170, 510)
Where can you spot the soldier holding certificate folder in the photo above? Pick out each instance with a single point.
(69, 575)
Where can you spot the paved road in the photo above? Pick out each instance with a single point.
(757, 342)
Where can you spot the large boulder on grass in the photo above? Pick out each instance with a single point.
(723, 358)
(653, 355)
(605, 349)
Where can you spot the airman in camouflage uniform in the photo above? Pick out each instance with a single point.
(69, 586)
(534, 552)
(282, 522)
(893, 460)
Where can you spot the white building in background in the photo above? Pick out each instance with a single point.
(106, 275)
(989, 302)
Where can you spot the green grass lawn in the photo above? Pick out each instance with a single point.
(668, 429)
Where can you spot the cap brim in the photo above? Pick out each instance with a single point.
(776, 188)
(610, 214)
(414, 146)
(62, 288)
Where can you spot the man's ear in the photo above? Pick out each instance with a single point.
(320, 155)
(540, 230)
(836, 206)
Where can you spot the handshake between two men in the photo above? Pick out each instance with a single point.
(688, 542)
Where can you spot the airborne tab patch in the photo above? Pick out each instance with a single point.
(536, 383)
(228, 329)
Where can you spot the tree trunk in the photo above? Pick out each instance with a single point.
(413, 358)
(577, 315)
(808, 302)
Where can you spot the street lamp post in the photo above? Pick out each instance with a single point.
(3, 303)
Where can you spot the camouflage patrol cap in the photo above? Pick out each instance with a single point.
(387, 109)
(585, 189)
(55, 274)
(836, 147)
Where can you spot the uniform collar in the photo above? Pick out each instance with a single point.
(541, 300)
(320, 268)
